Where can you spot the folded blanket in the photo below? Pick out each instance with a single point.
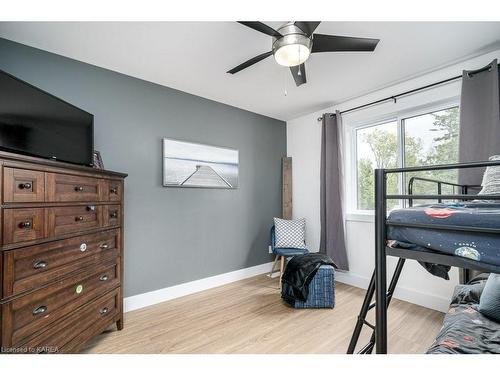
(298, 274)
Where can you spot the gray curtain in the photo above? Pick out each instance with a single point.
(479, 120)
(332, 216)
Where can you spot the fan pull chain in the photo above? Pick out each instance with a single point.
(299, 73)
(284, 82)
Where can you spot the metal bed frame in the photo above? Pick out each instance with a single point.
(378, 282)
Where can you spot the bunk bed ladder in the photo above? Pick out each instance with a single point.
(367, 306)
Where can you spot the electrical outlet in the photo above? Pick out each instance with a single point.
(270, 250)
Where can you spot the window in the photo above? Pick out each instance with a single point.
(425, 139)
(377, 147)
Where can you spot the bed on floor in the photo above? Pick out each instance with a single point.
(465, 330)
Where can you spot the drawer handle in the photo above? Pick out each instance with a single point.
(114, 215)
(25, 224)
(79, 218)
(113, 190)
(90, 208)
(104, 311)
(104, 278)
(25, 185)
(40, 265)
(78, 188)
(104, 246)
(39, 310)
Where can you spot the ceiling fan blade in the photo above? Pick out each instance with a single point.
(263, 28)
(337, 43)
(250, 62)
(299, 79)
(307, 26)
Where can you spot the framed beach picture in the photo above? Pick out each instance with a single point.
(188, 164)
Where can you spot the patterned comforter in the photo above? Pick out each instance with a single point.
(481, 247)
(465, 330)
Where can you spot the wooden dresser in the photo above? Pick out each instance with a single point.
(61, 247)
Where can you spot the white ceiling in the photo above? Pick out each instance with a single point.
(194, 57)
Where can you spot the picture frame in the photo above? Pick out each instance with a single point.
(188, 164)
(97, 160)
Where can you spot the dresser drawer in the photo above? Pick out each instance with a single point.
(69, 188)
(77, 328)
(72, 219)
(34, 266)
(23, 224)
(114, 190)
(23, 185)
(112, 215)
(31, 314)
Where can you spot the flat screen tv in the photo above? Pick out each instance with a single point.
(34, 122)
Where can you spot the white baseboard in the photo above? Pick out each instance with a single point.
(416, 297)
(161, 295)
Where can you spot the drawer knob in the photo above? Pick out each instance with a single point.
(78, 188)
(104, 246)
(40, 265)
(113, 190)
(79, 289)
(91, 208)
(79, 218)
(114, 215)
(83, 247)
(39, 310)
(25, 224)
(104, 278)
(104, 311)
(25, 185)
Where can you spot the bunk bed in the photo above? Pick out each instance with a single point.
(418, 233)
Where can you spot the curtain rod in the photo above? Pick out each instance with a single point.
(394, 97)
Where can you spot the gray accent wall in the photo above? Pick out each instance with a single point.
(172, 235)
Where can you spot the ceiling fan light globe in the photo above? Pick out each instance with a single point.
(292, 54)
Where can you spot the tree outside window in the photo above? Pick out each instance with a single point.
(428, 139)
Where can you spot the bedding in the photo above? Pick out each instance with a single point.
(465, 330)
(481, 247)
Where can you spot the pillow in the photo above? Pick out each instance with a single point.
(489, 304)
(290, 233)
(491, 179)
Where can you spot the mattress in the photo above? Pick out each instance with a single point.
(477, 246)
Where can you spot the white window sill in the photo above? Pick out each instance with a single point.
(361, 216)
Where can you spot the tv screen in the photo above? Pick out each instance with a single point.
(36, 123)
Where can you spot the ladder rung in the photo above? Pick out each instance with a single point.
(366, 348)
(369, 324)
(374, 303)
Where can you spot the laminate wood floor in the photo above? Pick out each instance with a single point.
(249, 316)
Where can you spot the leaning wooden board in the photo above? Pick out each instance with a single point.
(61, 254)
(286, 194)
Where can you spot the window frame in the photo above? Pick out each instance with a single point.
(399, 117)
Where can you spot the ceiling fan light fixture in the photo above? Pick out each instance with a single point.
(292, 49)
(292, 54)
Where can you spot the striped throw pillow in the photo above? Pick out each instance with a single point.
(491, 179)
(489, 304)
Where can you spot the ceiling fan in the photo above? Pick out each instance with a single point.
(293, 43)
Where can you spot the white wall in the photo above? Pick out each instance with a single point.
(304, 146)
